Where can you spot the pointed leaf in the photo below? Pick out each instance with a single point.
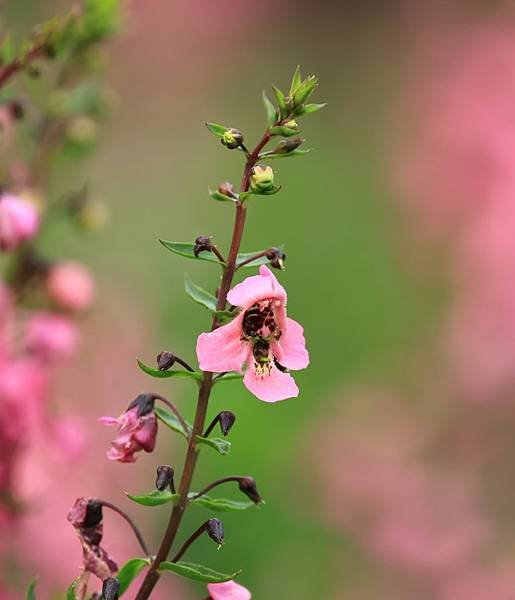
(216, 195)
(170, 420)
(228, 377)
(243, 256)
(216, 129)
(296, 152)
(281, 103)
(284, 131)
(199, 295)
(130, 570)
(221, 504)
(197, 572)
(307, 109)
(296, 81)
(271, 114)
(220, 445)
(70, 592)
(186, 249)
(154, 498)
(197, 375)
(31, 590)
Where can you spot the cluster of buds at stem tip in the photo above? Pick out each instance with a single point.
(164, 478)
(165, 360)
(232, 138)
(261, 178)
(276, 258)
(110, 588)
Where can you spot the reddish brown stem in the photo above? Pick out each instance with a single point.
(174, 522)
(7, 71)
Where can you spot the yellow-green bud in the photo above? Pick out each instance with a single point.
(262, 178)
(82, 130)
(292, 124)
(232, 138)
(93, 216)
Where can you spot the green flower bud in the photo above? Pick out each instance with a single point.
(292, 124)
(232, 138)
(82, 131)
(286, 146)
(262, 178)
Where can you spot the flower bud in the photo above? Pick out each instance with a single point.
(227, 189)
(247, 485)
(276, 258)
(110, 588)
(19, 221)
(165, 360)
(82, 131)
(292, 124)
(215, 530)
(70, 285)
(93, 216)
(286, 146)
(232, 138)
(202, 243)
(226, 419)
(165, 474)
(262, 178)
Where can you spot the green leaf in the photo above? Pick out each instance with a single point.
(154, 498)
(273, 190)
(281, 102)
(220, 504)
(130, 570)
(199, 295)
(284, 131)
(70, 592)
(296, 152)
(186, 249)
(197, 572)
(271, 113)
(243, 256)
(228, 377)
(296, 81)
(216, 195)
(307, 109)
(224, 316)
(170, 420)
(220, 445)
(7, 49)
(167, 374)
(216, 129)
(31, 590)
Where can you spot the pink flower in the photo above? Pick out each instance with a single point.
(50, 336)
(262, 336)
(229, 590)
(70, 285)
(137, 430)
(19, 221)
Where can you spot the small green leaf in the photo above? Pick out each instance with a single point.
(284, 131)
(224, 316)
(167, 374)
(220, 445)
(70, 592)
(130, 570)
(296, 81)
(216, 129)
(279, 96)
(31, 590)
(7, 49)
(307, 109)
(186, 249)
(197, 572)
(228, 377)
(216, 195)
(296, 152)
(243, 256)
(199, 295)
(170, 420)
(154, 498)
(221, 504)
(271, 113)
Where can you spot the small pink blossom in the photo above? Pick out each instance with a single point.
(262, 336)
(229, 590)
(19, 221)
(50, 336)
(137, 430)
(70, 285)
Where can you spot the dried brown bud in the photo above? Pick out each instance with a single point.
(145, 404)
(215, 530)
(276, 258)
(247, 485)
(164, 478)
(227, 189)
(285, 146)
(165, 360)
(110, 588)
(226, 419)
(202, 244)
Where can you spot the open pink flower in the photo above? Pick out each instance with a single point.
(137, 430)
(262, 336)
(229, 590)
(70, 285)
(19, 221)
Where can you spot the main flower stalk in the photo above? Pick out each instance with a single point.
(190, 461)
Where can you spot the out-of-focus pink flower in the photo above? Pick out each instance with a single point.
(480, 583)
(68, 437)
(70, 285)
(229, 590)
(19, 221)
(261, 336)
(50, 336)
(137, 430)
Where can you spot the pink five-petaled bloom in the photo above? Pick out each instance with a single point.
(51, 336)
(137, 430)
(229, 590)
(19, 221)
(262, 336)
(70, 285)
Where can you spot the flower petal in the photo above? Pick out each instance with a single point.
(292, 352)
(271, 387)
(257, 287)
(222, 349)
(228, 590)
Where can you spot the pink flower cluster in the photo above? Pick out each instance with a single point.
(19, 221)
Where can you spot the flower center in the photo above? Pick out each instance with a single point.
(259, 321)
